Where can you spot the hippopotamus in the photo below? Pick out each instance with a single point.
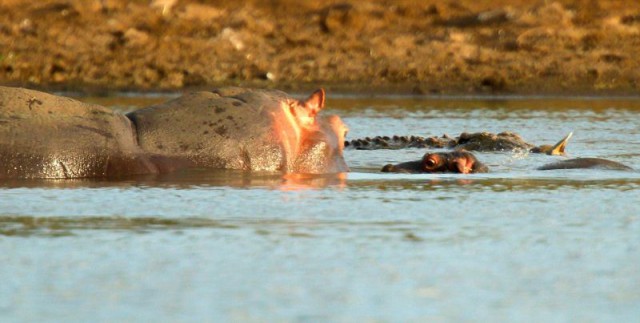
(586, 163)
(443, 162)
(237, 128)
(48, 136)
(464, 162)
(480, 141)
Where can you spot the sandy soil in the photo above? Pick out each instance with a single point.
(464, 46)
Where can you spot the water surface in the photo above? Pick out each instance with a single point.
(516, 244)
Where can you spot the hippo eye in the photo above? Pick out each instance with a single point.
(430, 162)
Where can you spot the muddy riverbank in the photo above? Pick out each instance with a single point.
(422, 47)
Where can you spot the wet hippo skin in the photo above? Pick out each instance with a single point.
(586, 163)
(445, 162)
(48, 136)
(248, 129)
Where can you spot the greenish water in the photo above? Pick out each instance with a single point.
(516, 244)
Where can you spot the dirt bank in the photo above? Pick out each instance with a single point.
(465, 46)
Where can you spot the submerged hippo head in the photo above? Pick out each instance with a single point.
(447, 162)
(237, 128)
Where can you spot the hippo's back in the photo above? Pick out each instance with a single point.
(47, 136)
(586, 163)
(225, 128)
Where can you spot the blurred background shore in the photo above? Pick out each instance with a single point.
(574, 47)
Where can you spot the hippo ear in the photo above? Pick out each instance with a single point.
(315, 102)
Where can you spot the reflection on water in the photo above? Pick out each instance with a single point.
(20, 223)
(189, 179)
(64, 226)
(515, 244)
